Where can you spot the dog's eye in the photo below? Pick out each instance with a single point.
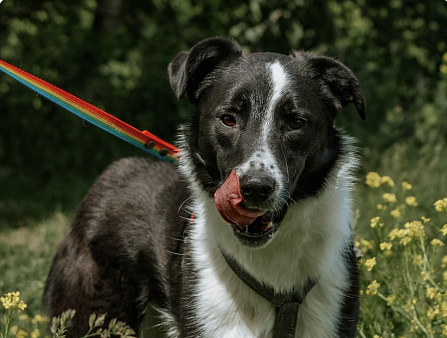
(296, 123)
(228, 120)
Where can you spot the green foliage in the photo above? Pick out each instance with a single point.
(114, 55)
(115, 328)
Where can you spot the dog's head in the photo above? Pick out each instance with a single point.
(263, 132)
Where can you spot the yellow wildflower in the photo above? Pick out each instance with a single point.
(425, 220)
(414, 228)
(405, 240)
(369, 263)
(390, 300)
(382, 207)
(437, 242)
(443, 69)
(39, 319)
(418, 260)
(364, 245)
(444, 309)
(35, 333)
(374, 221)
(444, 229)
(395, 213)
(21, 334)
(393, 234)
(444, 262)
(388, 253)
(403, 232)
(11, 300)
(400, 233)
(23, 317)
(377, 336)
(432, 313)
(390, 198)
(431, 293)
(441, 205)
(385, 246)
(411, 201)
(409, 306)
(372, 288)
(387, 179)
(373, 179)
(406, 186)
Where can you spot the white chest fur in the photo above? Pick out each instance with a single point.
(309, 243)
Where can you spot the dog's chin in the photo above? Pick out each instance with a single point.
(258, 233)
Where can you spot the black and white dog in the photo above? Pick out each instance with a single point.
(267, 178)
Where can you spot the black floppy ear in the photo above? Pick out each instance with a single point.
(338, 82)
(188, 69)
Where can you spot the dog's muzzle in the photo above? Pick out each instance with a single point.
(228, 199)
(251, 226)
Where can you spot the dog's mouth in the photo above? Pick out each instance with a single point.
(251, 226)
(261, 226)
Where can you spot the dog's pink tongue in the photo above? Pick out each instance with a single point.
(227, 199)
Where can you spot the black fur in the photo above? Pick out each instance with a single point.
(115, 259)
(351, 304)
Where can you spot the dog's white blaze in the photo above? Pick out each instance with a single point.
(309, 243)
(280, 81)
(263, 154)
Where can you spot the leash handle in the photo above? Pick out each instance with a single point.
(141, 139)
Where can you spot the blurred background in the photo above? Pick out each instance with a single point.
(114, 55)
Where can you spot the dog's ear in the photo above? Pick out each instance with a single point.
(338, 82)
(188, 69)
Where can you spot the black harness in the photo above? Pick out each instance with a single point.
(287, 304)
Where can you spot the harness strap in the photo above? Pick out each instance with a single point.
(287, 304)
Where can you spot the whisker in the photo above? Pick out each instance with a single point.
(287, 167)
(181, 205)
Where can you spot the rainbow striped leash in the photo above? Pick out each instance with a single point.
(141, 139)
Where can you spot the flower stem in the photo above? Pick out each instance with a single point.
(362, 334)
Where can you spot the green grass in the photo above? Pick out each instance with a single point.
(25, 258)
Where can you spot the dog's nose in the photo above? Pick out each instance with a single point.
(256, 189)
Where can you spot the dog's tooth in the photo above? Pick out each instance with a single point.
(267, 226)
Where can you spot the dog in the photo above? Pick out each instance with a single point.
(262, 189)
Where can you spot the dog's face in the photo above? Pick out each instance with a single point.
(267, 117)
